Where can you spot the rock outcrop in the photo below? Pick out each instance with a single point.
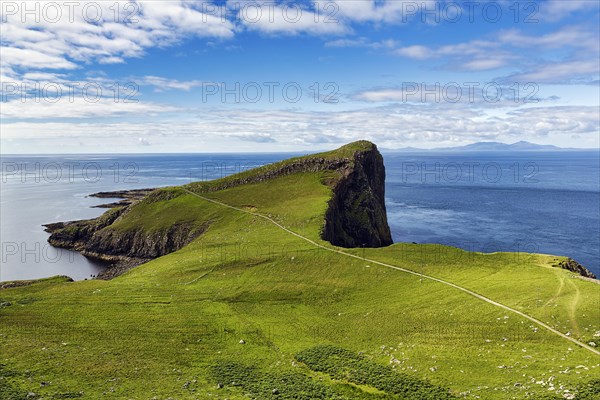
(91, 239)
(573, 266)
(356, 216)
(128, 197)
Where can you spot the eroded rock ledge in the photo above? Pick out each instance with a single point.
(128, 197)
(573, 266)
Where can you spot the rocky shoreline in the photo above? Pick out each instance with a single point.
(121, 250)
(128, 197)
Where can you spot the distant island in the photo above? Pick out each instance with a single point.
(492, 146)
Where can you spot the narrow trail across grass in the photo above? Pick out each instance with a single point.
(573, 309)
(561, 286)
(465, 290)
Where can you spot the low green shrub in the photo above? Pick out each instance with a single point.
(345, 365)
(264, 385)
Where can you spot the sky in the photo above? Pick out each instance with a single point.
(267, 76)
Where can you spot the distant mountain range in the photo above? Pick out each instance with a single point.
(492, 146)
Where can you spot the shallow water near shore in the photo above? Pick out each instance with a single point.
(546, 202)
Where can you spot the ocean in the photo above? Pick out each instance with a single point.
(545, 202)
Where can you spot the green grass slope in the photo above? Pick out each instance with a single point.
(251, 310)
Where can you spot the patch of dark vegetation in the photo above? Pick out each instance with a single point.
(264, 385)
(68, 395)
(8, 390)
(15, 284)
(164, 194)
(27, 300)
(344, 365)
(589, 391)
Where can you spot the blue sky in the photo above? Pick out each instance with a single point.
(242, 76)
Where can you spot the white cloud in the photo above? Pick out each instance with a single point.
(362, 42)
(161, 83)
(80, 108)
(554, 10)
(471, 94)
(389, 126)
(587, 70)
(288, 19)
(417, 52)
(542, 121)
(76, 37)
(381, 11)
(565, 37)
(16, 57)
(484, 64)
(511, 49)
(476, 55)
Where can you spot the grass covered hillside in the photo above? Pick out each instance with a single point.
(258, 305)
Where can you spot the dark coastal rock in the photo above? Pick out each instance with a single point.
(142, 244)
(128, 197)
(356, 216)
(573, 266)
(123, 249)
(73, 234)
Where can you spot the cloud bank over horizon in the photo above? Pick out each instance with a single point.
(185, 76)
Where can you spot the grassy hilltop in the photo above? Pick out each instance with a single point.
(258, 305)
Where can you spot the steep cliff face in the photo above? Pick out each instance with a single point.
(94, 240)
(356, 216)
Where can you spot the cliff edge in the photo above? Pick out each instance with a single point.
(356, 216)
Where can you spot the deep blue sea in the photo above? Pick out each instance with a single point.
(547, 202)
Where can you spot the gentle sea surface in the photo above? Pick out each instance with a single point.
(547, 202)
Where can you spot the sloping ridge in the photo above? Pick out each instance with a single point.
(356, 214)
